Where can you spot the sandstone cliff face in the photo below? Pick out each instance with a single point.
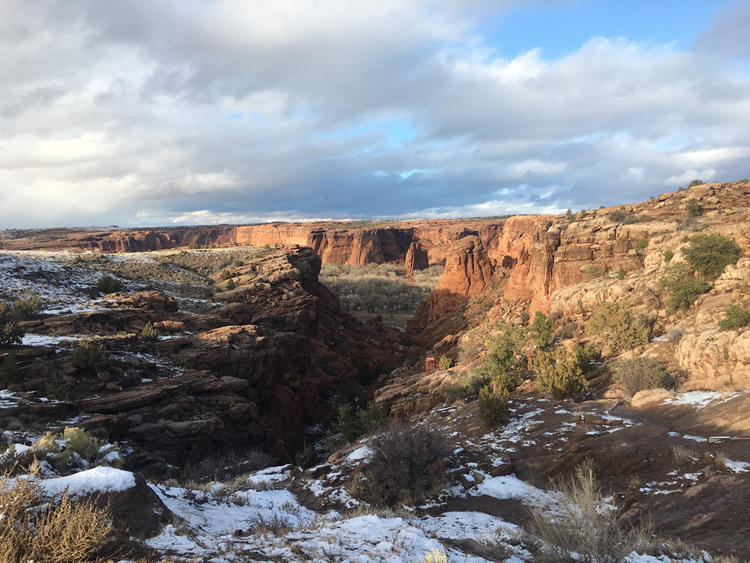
(526, 249)
(714, 358)
(468, 271)
(416, 259)
(133, 240)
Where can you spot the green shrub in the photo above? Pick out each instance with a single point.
(230, 284)
(641, 245)
(695, 183)
(108, 284)
(593, 271)
(628, 217)
(735, 317)
(619, 215)
(639, 374)
(353, 423)
(504, 350)
(710, 254)
(411, 360)
(559, 374)
(621, 273)
(467, 385)
(305, 458)
(75, 449)
(225, 275)
(506, 381)
(542, 329)
(88, 355)
(238, 263)
(618, 326)
(406, 463)
(683, 287)
(493, 404)
(668, 255)
(10, 332)
(585, 357)
(149, 333)
(693, 208)
(27, 307)
(445, 362)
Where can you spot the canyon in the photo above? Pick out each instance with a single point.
(253, 353)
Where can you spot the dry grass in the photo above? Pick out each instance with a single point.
(720, 461)
(435, 556)
(36, 528)
(585, 524)
(683, 455)
(277, 525)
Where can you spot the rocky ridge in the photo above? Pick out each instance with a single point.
(252, 372)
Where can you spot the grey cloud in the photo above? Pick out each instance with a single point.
(727, 34)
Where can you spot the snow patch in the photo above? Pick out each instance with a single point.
(96, 480)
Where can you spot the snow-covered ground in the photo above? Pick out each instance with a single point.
(56, 277)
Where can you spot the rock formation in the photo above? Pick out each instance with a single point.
(248, 374)
(467, 273)
(416, 259)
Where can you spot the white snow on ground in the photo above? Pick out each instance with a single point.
(41, 340)
(511, 487)
(96, 480)
(698, 399)
(7, 399)
(461, 525)
(737, 466)
(359, 454)
(271, 474)
(54, 276)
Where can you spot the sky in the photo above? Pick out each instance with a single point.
(179, 112)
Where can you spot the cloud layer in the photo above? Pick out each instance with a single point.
(190, 111)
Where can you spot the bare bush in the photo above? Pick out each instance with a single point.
(406, 463)
(639, 374)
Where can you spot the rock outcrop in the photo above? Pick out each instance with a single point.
(468, 271)
(251, 373)
(416, 259)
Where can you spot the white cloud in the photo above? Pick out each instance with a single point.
(232, 111)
